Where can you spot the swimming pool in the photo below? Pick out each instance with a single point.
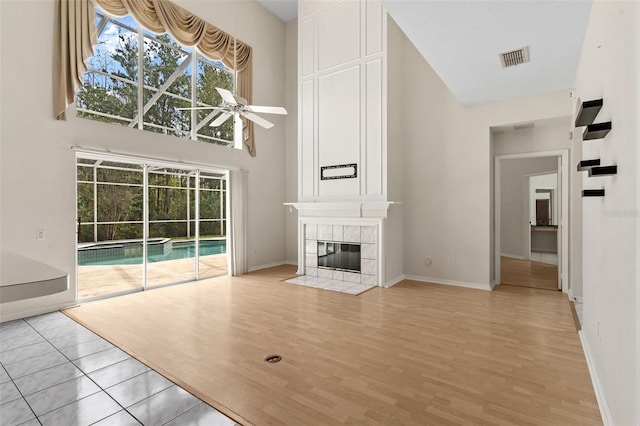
(130, 253)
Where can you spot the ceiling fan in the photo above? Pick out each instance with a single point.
(235, 105)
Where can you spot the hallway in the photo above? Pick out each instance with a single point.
(527, 273)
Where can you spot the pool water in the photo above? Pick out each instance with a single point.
(180, 250)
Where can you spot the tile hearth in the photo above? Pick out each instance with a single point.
(330, 284)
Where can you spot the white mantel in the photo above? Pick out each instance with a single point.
(343, 209)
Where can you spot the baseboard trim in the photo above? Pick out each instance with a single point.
(477, 286)
(603, 405)
(267, 265)
(512, 256)
(577, 299)
(37, 311)
(394, 281)
(291, 262)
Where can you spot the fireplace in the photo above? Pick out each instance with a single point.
(363, 224)
(339, 256)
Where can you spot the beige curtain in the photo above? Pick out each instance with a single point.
(76, 35)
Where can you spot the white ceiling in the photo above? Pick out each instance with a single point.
(283, 9)
(461, 40)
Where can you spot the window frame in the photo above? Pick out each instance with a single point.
(193, 59)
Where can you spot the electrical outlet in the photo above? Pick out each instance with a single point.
(40, 234)
(447, 261)
(427, 261)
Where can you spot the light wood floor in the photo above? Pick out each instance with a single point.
(413, 354)
(526, 273)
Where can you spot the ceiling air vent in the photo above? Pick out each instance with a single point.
(514, 57)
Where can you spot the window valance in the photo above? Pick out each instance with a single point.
(75, 35)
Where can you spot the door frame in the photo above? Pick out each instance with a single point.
(563, 213)
(527, 207)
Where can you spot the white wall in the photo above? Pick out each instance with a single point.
(291, 161)
(342, 73)
(448, 172)
(395, 147)
(546, 135)
(514, 200)
(610, 224)
(38, 166)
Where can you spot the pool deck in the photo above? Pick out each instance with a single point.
(101, 280)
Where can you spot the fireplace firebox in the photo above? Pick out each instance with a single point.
(339, 256)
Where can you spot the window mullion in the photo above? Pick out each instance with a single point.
(102, 24)
(140, 78)
(196, 245)
(145, 223)
(194, 92)
(95, 204)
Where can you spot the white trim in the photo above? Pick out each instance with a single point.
(37, 311)
(512, 256)
(395, 281)
(357, 221)
(291, 262)
(267, 265)
(107, 155)
(603, 405)
(577, 299)
(442, 281)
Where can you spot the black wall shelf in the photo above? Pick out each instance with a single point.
(588, 112)
(587, 164)
(596, 131)
(593, 192)
(603, 171)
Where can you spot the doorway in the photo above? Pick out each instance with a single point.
(143, 224)
(521, 238)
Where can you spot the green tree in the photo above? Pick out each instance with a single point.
(210, 77)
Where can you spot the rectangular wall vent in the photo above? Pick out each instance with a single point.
(514, 57)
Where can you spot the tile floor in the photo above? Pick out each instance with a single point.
(53, 371)
(330, 284)
(550, 258)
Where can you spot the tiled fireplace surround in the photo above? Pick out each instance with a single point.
(367, 234)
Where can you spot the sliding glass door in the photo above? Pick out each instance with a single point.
(170, 246)
(143, 224)
(110, 227)
(212, 231)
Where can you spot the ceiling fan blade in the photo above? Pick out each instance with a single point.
(267, 109)
(220, 119)
(196, 108)
(258, 120)
(227, 96)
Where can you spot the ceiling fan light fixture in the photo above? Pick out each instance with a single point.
(514, 57)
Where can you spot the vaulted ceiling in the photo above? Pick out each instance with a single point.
(462, 40)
